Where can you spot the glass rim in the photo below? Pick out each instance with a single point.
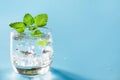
(46, 28)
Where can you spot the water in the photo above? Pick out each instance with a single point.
(29, 58)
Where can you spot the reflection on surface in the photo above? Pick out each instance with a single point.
(15, 76)
(54, 74)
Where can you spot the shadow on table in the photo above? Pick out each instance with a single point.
(65, 75)
(54, 74)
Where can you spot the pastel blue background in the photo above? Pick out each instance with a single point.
(86, 36)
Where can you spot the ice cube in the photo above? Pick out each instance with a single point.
(48, 50)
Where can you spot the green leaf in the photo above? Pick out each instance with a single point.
(36, 33)
(42, 43)
(18, 26)
(41, 20)
(28, 19)
(31, 28)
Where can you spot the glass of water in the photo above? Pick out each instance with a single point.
(31, 56)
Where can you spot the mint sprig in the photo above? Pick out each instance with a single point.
(36, 33)
(41, 20)
(18, 26)
(28, 19)
(43, 42)
(31, 23)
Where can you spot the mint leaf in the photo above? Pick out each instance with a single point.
(31, 28)
(18, 26)
(28, 19)
(42, 43)
(36, 33)
(41, 20)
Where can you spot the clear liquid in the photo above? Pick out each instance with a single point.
(32, 64)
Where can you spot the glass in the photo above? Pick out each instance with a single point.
(28, 57)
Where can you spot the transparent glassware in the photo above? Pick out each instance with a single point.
(27, 56)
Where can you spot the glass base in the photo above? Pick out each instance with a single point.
(31, 72)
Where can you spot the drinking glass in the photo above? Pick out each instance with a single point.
(31, 56)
